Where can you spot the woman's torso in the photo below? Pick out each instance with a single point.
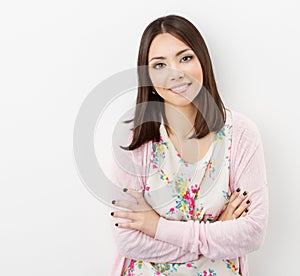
(178, 190)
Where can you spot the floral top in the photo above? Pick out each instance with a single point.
(183, 191)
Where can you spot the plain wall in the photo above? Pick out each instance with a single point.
(53, 53)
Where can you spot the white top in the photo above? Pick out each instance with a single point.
(178, 190)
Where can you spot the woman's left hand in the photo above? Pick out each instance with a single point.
(142, 216)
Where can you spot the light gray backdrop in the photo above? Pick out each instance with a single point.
(53, 53)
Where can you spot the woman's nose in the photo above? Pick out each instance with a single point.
(175, 74)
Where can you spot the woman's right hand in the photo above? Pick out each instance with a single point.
(237, 206)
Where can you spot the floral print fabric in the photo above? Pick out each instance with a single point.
(178, 190)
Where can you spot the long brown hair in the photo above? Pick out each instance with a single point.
(147, 117)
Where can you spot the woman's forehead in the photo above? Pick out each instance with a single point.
(166, 45)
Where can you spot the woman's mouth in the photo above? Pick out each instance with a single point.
(181, 88)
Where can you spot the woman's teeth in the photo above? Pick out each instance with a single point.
(179, 89)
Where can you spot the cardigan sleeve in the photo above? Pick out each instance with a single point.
(134, 244)
(233, 238)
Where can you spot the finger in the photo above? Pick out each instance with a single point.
(245, 213)
(234, 196)
(242, 208)
(136, 194)
(125, 204)
(127, 225)
(142, 205)
(237, 201)
(126, 215)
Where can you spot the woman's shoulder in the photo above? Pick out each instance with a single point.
(243, 127)
(246, 142)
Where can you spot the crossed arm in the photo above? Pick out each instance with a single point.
(227, 238)
(231, 238)
(134, 244)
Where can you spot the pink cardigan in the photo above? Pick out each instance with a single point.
(178, 241)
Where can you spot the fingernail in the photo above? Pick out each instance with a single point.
(248, 201)
(116, 224)
(238, 190)
(112, 213)
(246, 210)
(244, 193)
(113, 202)
(125, 190)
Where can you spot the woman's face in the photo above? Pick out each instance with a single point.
(174, 69)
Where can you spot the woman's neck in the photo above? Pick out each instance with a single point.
(181, 119)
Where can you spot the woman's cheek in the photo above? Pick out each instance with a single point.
(159, 78)
(196, 73)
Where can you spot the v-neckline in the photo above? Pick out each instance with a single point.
(167, 139)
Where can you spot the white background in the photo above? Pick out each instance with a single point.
(53, 53)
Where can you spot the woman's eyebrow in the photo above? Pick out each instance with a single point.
(180, 52)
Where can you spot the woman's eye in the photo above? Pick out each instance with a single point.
(186, 58)
(158, 66)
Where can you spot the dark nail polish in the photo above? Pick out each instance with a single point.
(244, 193)
(248, 201)
(116, 224)
(112, 213)
(238, 190)
(246, 210)
(113, 202)
(125, 190)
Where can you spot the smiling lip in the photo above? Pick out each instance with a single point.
(181, 88)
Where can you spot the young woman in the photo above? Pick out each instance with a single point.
(199, 188)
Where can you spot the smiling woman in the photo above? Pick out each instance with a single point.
(199, 200)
